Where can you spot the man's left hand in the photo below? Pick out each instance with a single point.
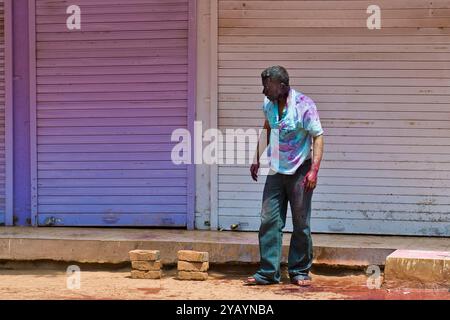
(310, 181)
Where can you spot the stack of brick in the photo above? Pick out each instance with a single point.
(145, 264)
(193, 265)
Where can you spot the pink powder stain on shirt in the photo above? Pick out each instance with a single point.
(311, 115)
(300, 99)
(285, 148)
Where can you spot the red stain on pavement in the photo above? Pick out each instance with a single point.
(358, 290)
(150, 290)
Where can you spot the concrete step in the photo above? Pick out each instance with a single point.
(415, 268)
(111, 245)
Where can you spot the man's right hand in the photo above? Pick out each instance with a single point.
(254, 171)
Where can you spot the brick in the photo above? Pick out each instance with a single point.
(144, 255)
(146, 265)
(138, 274)
(193, 256)
(187, 275)
(193, 266)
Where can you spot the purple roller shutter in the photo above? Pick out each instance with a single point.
(2, 114)
(108, 97)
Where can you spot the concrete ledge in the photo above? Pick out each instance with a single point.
(111, 245)
(418, 269)
(351, 257)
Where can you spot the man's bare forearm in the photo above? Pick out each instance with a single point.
(317, 152)
(260, 146)
(310, 181)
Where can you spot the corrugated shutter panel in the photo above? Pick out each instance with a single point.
(2, 113)
(108, 98)
(383, 96)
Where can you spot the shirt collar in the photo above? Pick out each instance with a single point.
(289, 102)
(291, 98)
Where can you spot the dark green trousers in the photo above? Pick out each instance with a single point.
(278, 191)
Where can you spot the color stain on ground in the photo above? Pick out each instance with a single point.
(150, 290)
(335, 284)
(349, 288)
(224, 283)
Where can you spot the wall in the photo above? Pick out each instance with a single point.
(383, 97)
(203, 111)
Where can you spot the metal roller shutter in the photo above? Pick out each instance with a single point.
(2, 115)
(108, 97)
(383, 96)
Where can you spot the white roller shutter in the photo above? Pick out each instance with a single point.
(384, 101)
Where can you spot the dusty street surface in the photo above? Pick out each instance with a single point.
(223, 283)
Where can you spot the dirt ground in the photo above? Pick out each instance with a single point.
(224, 283)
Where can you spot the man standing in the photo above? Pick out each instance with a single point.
(294, 128)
